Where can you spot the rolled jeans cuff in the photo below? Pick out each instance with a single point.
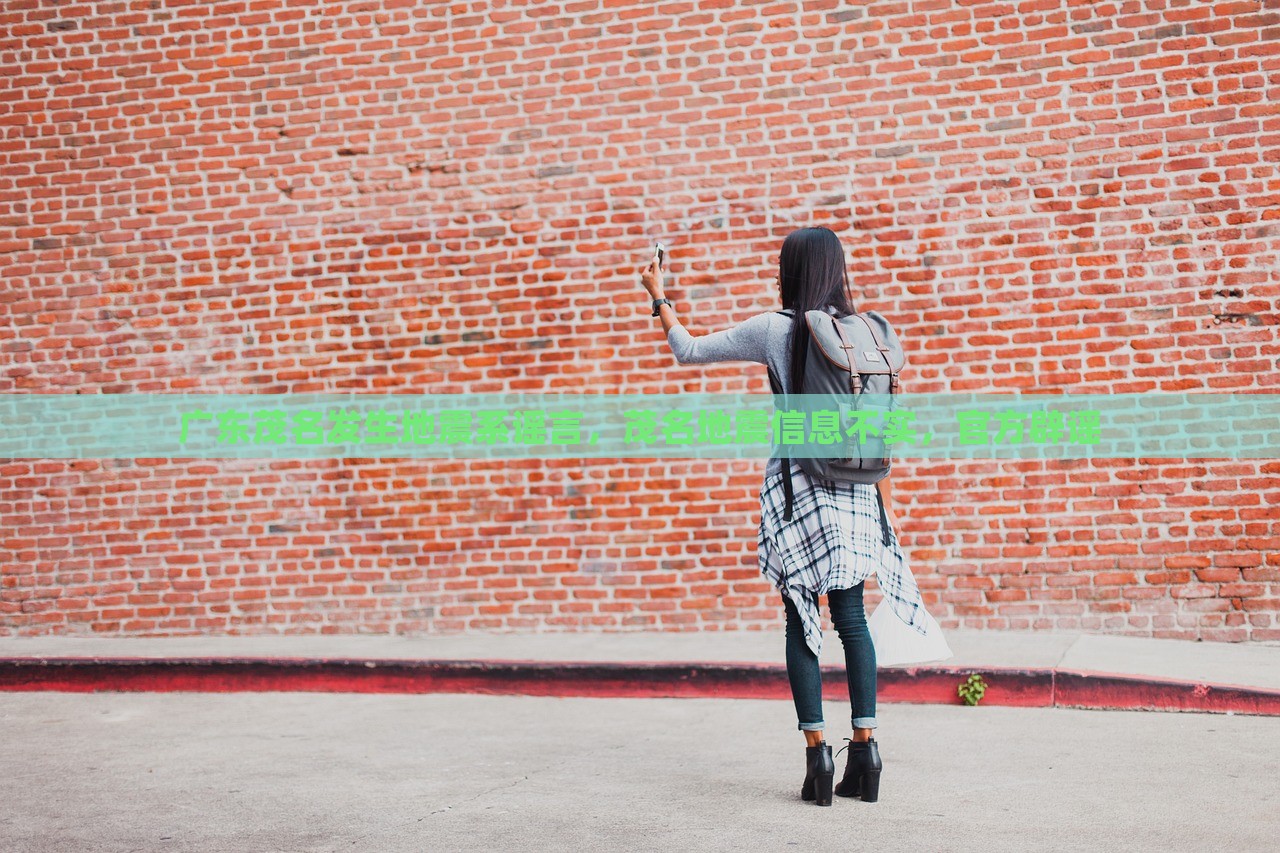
(811, 727)
(864, 722)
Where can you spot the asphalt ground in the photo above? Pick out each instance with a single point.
(295, 771)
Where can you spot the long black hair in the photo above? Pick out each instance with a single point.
(812, 273)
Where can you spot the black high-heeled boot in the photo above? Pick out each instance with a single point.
(862, 771)
(820, 770)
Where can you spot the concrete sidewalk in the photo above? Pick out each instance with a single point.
(331, 772)
(1027, 669)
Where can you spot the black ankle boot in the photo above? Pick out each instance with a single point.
(861, 772)
(820, 770)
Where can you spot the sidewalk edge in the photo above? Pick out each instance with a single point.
(1006, 686)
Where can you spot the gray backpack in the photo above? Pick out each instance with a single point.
(848, 357)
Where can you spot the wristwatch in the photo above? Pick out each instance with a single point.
(657, 305)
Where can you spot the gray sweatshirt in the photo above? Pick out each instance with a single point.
(761, 338)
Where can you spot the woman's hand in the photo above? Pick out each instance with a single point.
(892, 518)
(651, 278)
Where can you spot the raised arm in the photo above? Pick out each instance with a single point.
(747, 341)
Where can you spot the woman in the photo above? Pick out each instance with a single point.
(839, 534)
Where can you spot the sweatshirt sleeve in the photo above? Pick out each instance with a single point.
(747, 341)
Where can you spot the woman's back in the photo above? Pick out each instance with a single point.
(763, 338)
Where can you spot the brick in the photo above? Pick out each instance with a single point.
(993, 187)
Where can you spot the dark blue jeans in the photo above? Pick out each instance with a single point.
(850, 621)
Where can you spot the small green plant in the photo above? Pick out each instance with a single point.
(972, 689)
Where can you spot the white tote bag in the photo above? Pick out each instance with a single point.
(897, 643)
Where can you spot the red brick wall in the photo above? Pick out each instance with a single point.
(416, 197)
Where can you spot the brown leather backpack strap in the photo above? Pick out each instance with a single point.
(884, 353)
(880, 345)
(855, 380)
(875, 336)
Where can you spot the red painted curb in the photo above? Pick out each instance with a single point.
(1033, 688)
(1077, 689)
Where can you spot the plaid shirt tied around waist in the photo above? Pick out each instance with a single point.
(836, 538)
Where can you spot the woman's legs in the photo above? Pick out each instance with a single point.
(805, 676)
(850, 621)
(848, 616)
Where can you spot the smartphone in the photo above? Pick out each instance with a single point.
(659, 253)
